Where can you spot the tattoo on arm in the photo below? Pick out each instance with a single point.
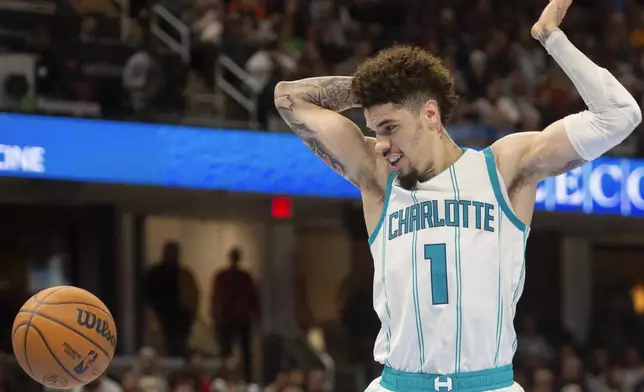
(333, 93)
(330, 92)
(544, 34)
(308, 136)
(529, 172)
(570, 165)
(284, 106)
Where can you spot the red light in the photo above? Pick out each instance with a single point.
(281, 208)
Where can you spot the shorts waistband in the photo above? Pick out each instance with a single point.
(478, 381)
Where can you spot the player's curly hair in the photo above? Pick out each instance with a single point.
(407, 76)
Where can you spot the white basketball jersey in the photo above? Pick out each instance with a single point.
(449, 270)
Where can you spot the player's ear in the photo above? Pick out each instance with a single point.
(430, 111)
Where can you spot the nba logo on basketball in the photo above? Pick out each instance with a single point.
(89, 320)
(86, 362)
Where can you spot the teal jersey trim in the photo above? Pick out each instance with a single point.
(478, 381)
(385, 204)
(496, 186)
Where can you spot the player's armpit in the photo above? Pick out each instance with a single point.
(533, 156)
(332, 137)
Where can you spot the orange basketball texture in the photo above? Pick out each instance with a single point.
(64, 337)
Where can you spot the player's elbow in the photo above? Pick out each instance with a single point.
(633, 113)
(624, 112)
(628, 114)
(621, 118)
(282, 98)
(280, 90)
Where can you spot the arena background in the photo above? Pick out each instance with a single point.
(142, 131)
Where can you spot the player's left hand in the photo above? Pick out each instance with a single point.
(551, 17)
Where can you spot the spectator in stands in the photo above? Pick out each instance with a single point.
(478, 75)
(102, 384)
(202, 18)
(229, 379)
(268, 66)
(602, 375)
(252, 8)
(279, 384)
(88, 29)
(496, 109)
(129, 382)
(316, 381)
(533, 343)
(239, 40)
(554, 94)
(234, 308)
(288, 381)
(206, 21)
(182, 381)
(571, 377)
(149, 378)
(328, 33)
(173, 295)
(143, 78)
(529, 59)
(633, 371)
(195, 370)
(515, 88)
(543, 381)
(361, 50)
(297, 380)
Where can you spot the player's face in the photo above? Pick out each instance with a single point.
(404, 138)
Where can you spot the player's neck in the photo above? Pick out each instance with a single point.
(444, 154)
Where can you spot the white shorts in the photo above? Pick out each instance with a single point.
(376, 387)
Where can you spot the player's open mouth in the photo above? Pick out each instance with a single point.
(394, 160)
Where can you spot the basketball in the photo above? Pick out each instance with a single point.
(64, 337)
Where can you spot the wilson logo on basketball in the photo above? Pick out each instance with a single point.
(91, 321)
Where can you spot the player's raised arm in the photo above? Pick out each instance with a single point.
(312, 107)
(570, 142)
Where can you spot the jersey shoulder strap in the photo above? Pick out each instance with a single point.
(500, 191)
(385, 204)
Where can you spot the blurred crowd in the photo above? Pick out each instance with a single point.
(148, 375)
(505, 79)
(610, 360)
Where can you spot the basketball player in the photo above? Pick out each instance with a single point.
(448, 226)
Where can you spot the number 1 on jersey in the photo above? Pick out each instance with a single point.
(437, 256)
